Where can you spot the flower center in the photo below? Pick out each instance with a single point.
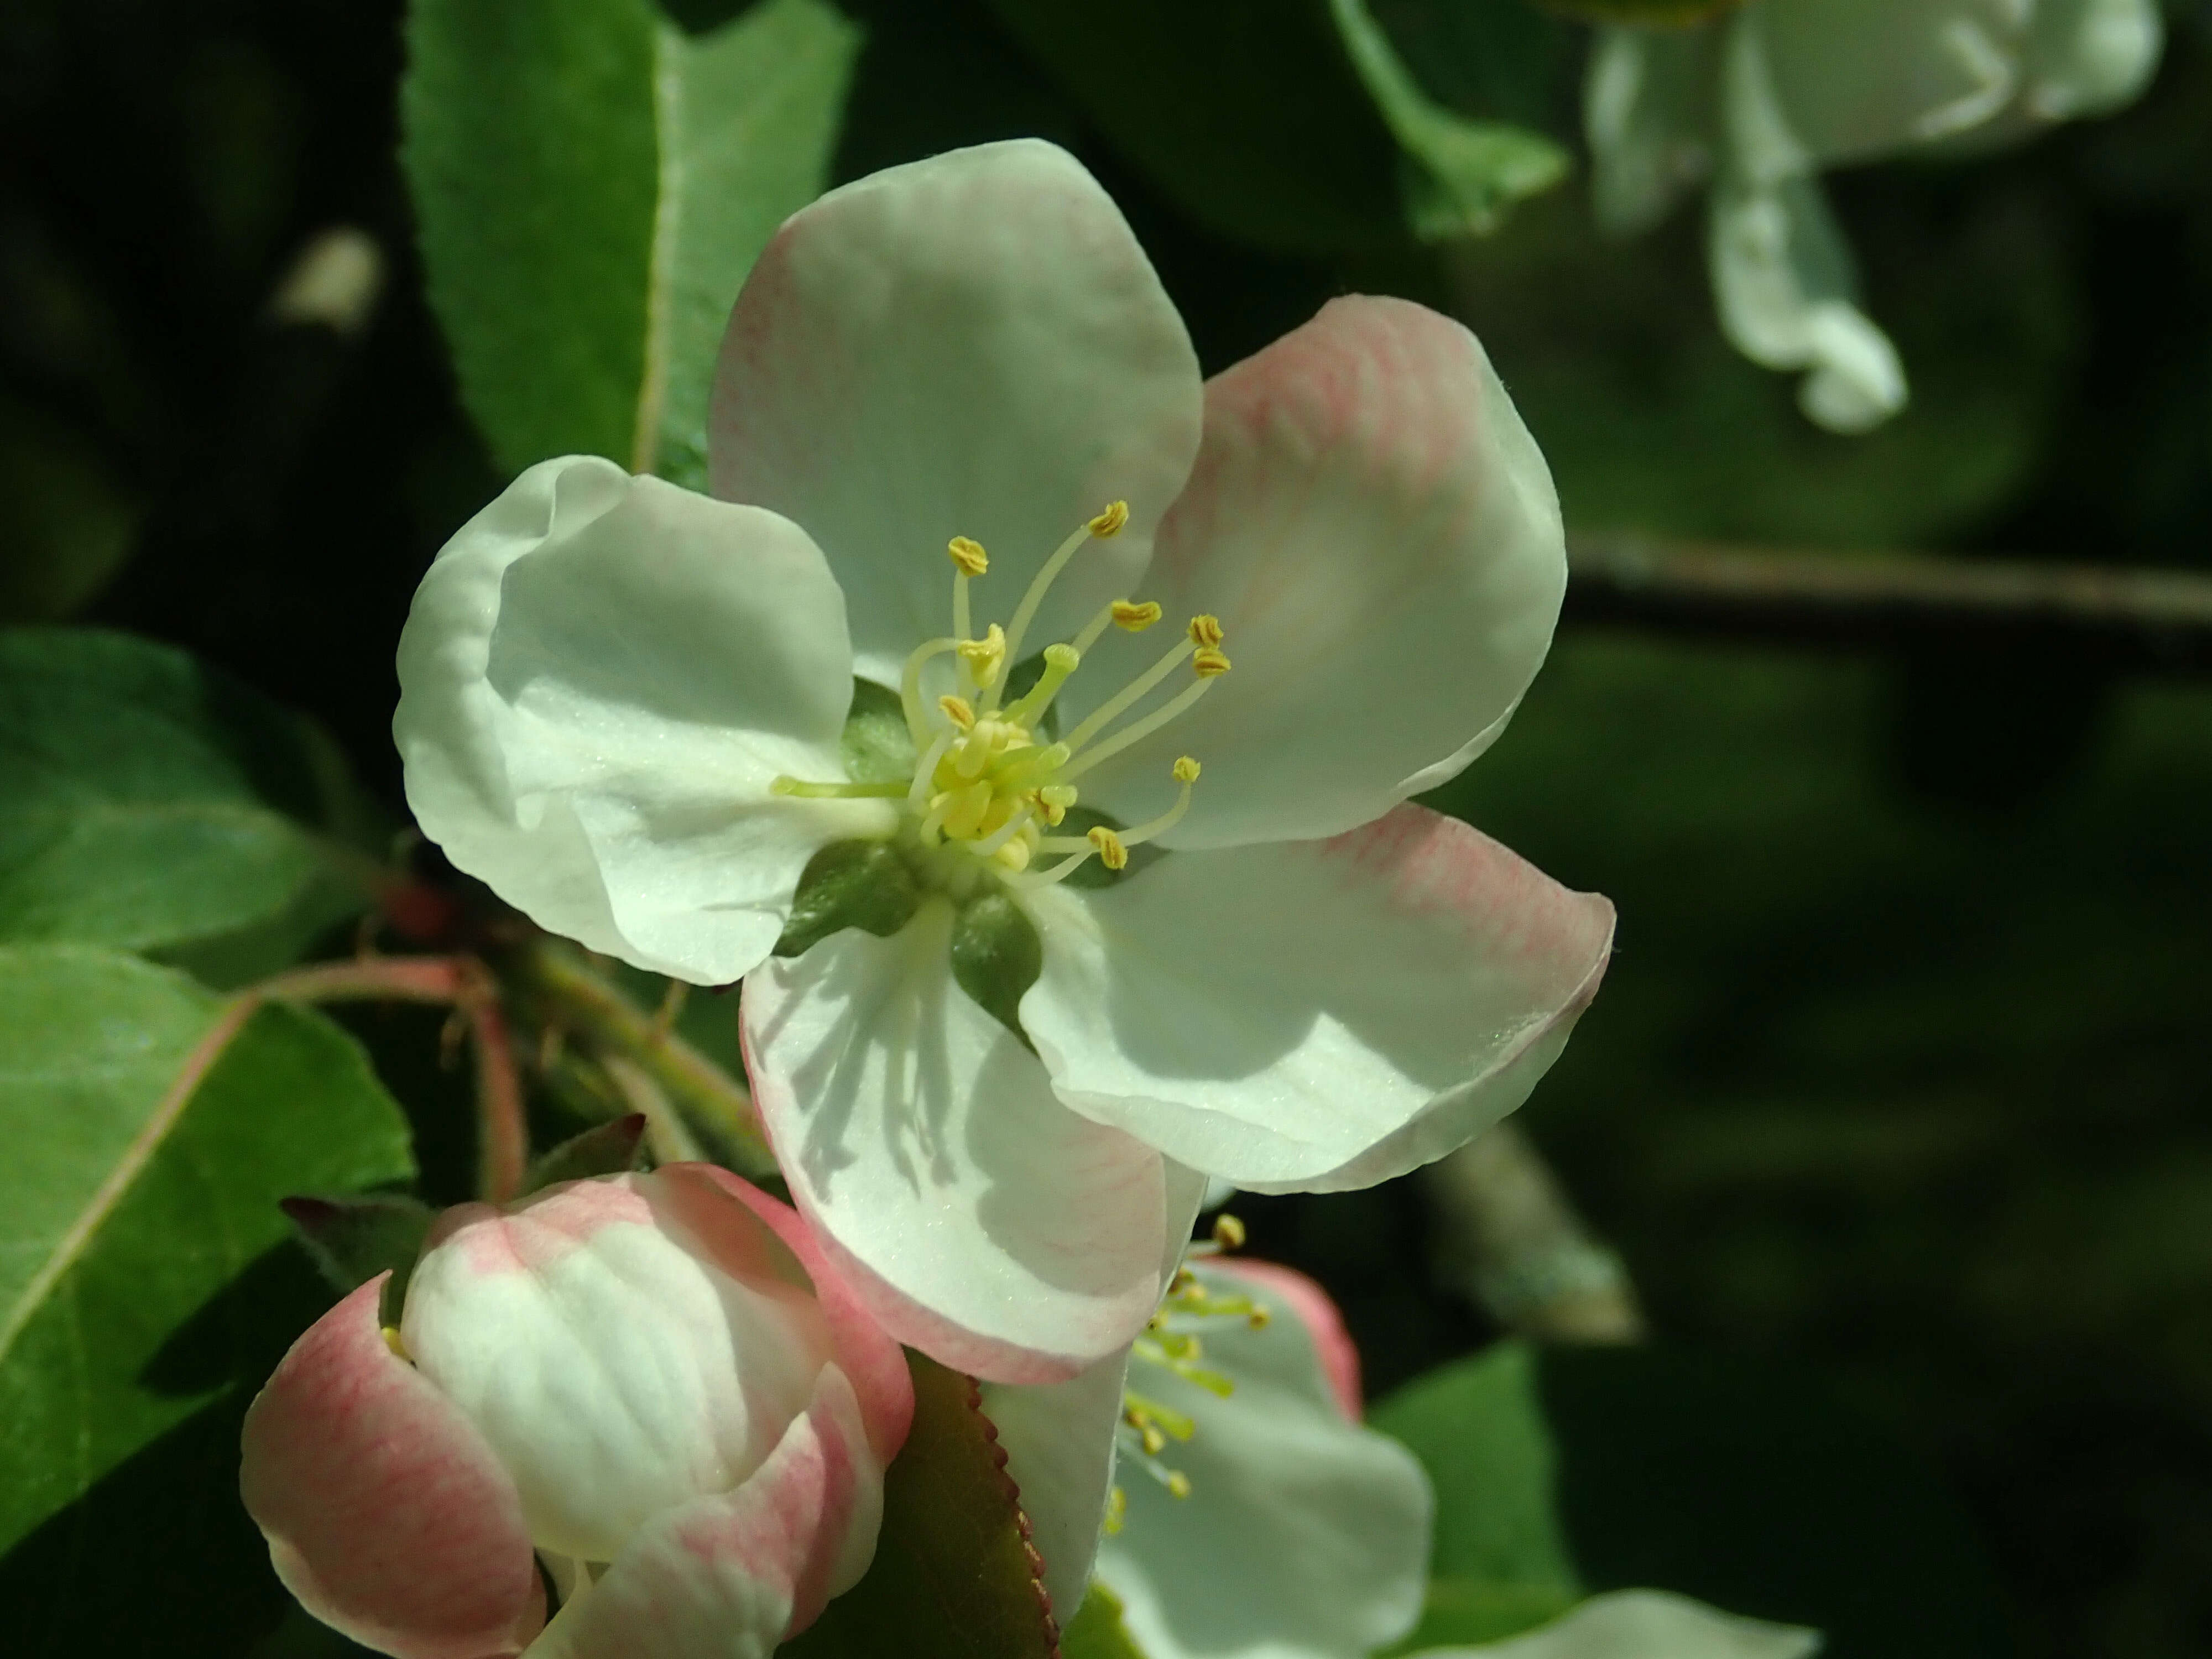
(990, 783)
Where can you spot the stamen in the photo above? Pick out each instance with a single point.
(968, 555)
(1205, 630)
(1060, 661)
(1143, 728)
(984, 657)
(1134, 618)
(1058, 873)
(391, 1334)
(1112, 708)
(965, 815)
(1117, 1510)
(957, 710)
(925, 774)
(1013, 769)
(1208, 663)
(1005, 833)
(1228, 1231)
(1106, 524)
(1111, 853)
(917, 724)
(782, 784)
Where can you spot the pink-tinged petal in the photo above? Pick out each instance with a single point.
(970, 345)
(622, 1346)
(1314, 1015)
(868, 1354)
(1291, 1290)
(599, 678)
(1301, 1534)
(385, 1512)
(730, 1574)
(976, 1218)
(1378, 534)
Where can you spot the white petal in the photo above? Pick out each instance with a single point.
(970, 345)
(1647, 112)
(616, 1371)
(1642, 1624)
(980, 1221)
(1861, 78)
(1315, 1014)
(729, 1575)
(2091, 57)
(598, 678)
(1059, 1443)
(1378, 534)
(1304, 1536)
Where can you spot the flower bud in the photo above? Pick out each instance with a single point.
(650, 1381)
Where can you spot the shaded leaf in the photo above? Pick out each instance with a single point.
(954, 1576)
(1561, 1472)
(351, 1240)
(592, 183)
(155, 803)
(154, 1128)
(603, 1149)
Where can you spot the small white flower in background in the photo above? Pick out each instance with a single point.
(1254, 1517)
(650, 1383)
(1764, 98)
(1048, 952)
(1642, 1624)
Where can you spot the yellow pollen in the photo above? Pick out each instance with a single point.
(1111, 853)
(958, 710)
(1178, 1484)
(399, 1348)
(1134, 618)
(1117, 1510)
(1228, 1232)
(984, 656)
(1209, 663)
(969, 555)
(1204, 630)
(1109, 522)
(1049, 811)
(1185, 770)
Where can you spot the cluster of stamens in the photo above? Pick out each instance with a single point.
(986, 780)
(1172, 1342)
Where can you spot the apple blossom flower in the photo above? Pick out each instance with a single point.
(1255, 1517)
(648, 1383)
(1645, 1624)
(1765, 97)
(1040, 921)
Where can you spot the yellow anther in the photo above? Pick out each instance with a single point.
(1109, 522)
(1134, 618)
(390, 1333)
(1204, 630)
(1185, 770)
(958, 710)
(1178, 1484)
(1111, 853)
(1228, 1232)
(964, 815)
(984, 656)
(1050, 810)
(1117, 1510)
(1259, 1319)
(1209, 663)
(969, 555)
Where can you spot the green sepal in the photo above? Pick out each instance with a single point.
(352, 1239)
(996, 957)
(849, 884)
(876, 745)
(604, 1149)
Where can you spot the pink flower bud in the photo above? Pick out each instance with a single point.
(650, 1383)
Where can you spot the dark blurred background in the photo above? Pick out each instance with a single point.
(1903, 1075)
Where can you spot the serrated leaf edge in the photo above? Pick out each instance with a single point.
(999, 1461)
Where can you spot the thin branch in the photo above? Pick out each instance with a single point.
(503, 1125)
(444, 981)
(1508, 1238)
(2149, 621)
(568, 993)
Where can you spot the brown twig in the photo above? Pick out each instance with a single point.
(2148, 621)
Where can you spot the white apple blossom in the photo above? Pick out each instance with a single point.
(1644, 1624)
(1255, 1517)
(773, 736)
(1766, 97)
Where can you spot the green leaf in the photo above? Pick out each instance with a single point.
(954, 1575)
(1654, 13)
(605, 1149)
(351, 1240)
(153, 1128)
(1096, 1630)
(1565, 1472)
(154, 803)
(1292, 124)
(592, 183)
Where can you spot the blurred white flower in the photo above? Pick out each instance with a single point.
(1763, 100)
(1642, 1624)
